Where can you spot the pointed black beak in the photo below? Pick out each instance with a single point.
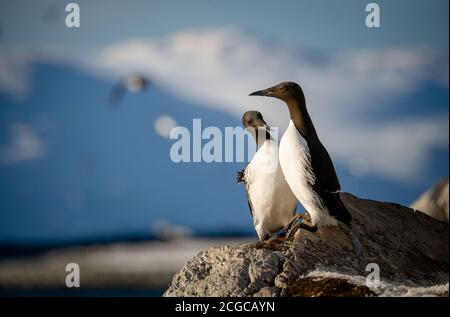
(265, 92)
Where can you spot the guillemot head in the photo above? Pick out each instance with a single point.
(253, 121)
(284, 91)
(136, 82)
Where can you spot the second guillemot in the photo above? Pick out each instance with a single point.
(272, 203)
(305, 162)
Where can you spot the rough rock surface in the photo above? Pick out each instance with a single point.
(434, 202)
(410, 248)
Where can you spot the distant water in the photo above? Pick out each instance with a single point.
(82, 293)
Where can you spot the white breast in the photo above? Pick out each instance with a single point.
(295, 162)
(273, 202)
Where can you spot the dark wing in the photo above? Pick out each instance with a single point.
(117, 94)
(326, 178)
(335, 206)
(249, 202)
(241, 179)
(327, 183)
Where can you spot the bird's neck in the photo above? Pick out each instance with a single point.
(263, 140)
(300, 117)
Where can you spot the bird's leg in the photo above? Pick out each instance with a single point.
(285, 230)
(305, 216)
(292, 221)
(301, 225)
(294, 225)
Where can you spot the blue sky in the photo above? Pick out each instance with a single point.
(378, 97)
(316, 24)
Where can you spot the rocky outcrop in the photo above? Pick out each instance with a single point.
(434, 202)
(409, 248)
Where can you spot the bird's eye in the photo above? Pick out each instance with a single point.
(282, 88)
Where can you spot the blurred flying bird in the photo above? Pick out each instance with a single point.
(305, 162)
(270, 200)
(132, 83)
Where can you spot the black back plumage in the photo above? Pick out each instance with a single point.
(327, 184)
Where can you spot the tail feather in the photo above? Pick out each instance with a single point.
(336, 207)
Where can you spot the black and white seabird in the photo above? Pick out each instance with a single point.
(272, 203)
(131, 83)
(305, 162)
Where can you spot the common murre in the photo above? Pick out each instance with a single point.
(305, 162)
(271, 202)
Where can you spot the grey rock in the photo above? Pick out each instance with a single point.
(410, 248)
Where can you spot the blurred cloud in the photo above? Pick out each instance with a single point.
(14, 73)
(163, 126)
(359, 167)
(219, 67)
(24, 145)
